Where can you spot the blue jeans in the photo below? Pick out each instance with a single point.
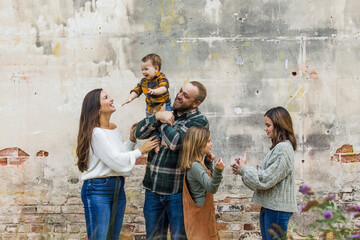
(269, 217)
(104, 204)
(162, 210)
(156, 132)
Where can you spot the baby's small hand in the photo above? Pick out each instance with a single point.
(152, 91)
(126, 101)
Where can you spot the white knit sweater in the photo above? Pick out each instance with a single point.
(273, 184)
(109, 155)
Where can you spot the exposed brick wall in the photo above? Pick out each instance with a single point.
(13, 156)
(33, 215)
(30, 219)
(27, 216)
(346, 154)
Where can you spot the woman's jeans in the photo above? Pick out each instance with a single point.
(104, 203)
(269, 217)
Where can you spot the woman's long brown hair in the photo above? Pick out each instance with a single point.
(195, 139)
(89, 119)
(283, 126)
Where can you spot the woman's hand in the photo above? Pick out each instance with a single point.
(149, 145)
(235, 167)
(220, 164)
(240, 162)
(132, 130)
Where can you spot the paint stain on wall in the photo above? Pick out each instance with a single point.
(149, 27)
(167, 17)
(214, 56)
(238, 110)
(187, 79)
(300, 93)
(212, 10)
(185, 47)
(239, 61)
(56, 50)
(296, 97)
(246, 44)
(352, 165)
(314, 75)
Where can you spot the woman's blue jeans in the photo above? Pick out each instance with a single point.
(104, 203)
(160, 211)
(269, 217)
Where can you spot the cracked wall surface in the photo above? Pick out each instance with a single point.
(251, 56)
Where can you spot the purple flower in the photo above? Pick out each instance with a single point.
(354, 236)
(305, 189)
(353, 208)
(328, 214)
(302, 207)
(331, 197)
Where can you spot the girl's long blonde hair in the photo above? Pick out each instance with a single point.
(195, 140)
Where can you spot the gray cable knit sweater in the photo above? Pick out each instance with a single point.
(273, 184)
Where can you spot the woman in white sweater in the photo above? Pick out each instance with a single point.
(273, 183)
(104, 160)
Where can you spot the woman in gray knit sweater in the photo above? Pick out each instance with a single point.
(273, 183)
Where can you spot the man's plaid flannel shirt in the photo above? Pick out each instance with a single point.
(163, 175)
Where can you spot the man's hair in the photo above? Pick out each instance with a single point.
(202, 91)
(154, 58)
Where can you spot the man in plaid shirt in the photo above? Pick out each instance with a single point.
(163, 178)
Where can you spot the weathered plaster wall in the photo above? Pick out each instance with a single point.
(251, 55)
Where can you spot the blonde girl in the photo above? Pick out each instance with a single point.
(201, 181)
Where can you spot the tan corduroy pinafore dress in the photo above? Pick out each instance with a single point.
(200, 222)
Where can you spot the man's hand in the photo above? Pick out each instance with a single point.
(165, 117)
(163, 143)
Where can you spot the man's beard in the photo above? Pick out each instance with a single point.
(183, 108)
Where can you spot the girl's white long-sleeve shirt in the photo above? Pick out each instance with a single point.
(109, 155)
